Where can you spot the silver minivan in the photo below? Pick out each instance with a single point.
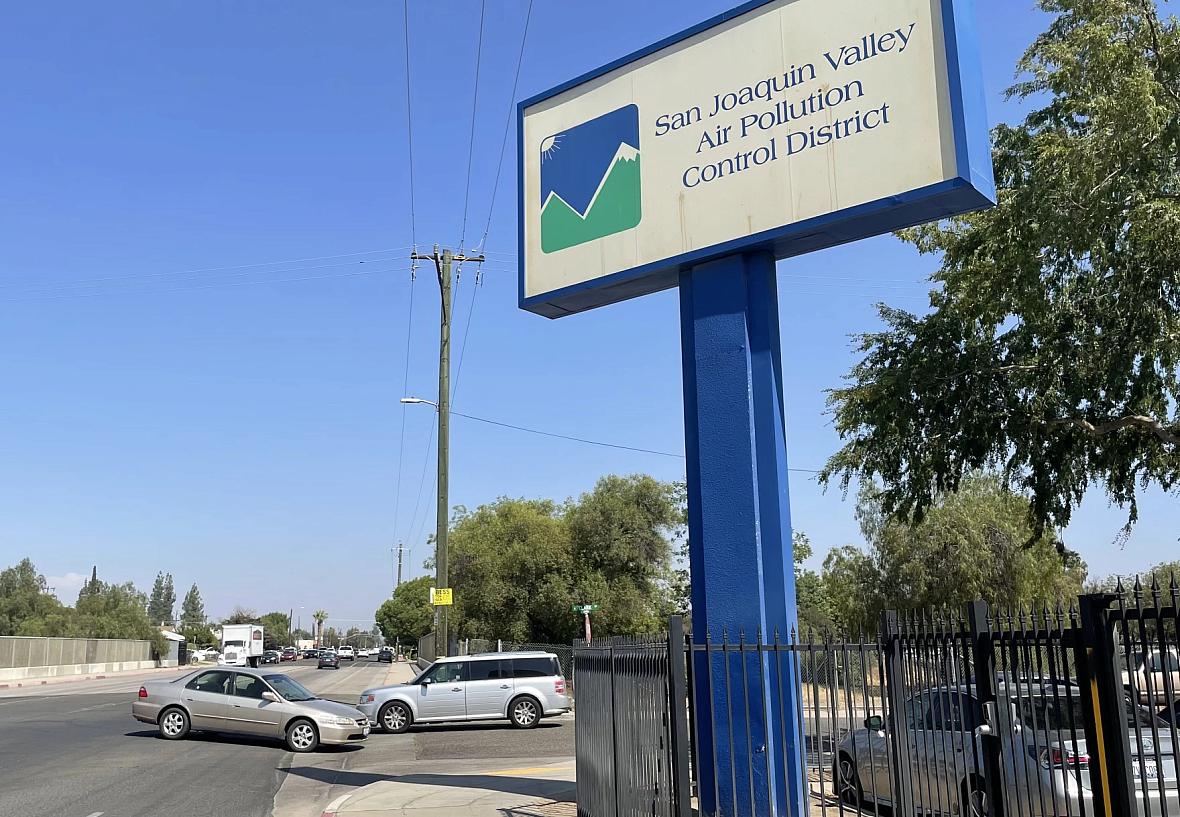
(520, 686)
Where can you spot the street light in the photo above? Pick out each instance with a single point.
(442, 518)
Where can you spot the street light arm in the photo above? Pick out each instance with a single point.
(418, 400)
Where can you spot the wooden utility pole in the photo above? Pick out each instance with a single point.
(442, 265)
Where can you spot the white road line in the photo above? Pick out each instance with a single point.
(96, 814)
(97, 706)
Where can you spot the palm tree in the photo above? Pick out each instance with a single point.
(320, 617)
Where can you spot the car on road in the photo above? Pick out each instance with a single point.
(520, 686)
(346, 652)
(270, 657)
(328, 660)
(247, 702)
(207, 654)
(313, 653)
(385, 654)
(1042, 747)
(288, 654)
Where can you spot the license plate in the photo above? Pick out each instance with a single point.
(1149, 770)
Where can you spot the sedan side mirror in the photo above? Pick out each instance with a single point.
(875, 723)
(267, 695)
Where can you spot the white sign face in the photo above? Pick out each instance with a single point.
(792, 111)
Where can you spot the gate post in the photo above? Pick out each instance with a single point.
(1105, 710)
(903, 784)
(984, 657)
(678, 703)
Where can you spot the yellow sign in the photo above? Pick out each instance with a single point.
(441, 597)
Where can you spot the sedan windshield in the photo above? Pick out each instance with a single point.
(289, 688)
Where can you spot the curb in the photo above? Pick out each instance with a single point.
(335, 805)
(75, 678)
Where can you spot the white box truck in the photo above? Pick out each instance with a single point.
(241, 645)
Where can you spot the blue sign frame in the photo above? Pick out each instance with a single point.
(973, 187)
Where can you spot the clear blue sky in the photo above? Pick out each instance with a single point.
(240, 427)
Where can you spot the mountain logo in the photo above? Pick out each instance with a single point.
(590, 181)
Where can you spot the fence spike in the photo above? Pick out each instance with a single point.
(1138, 592)
(1155, 589)
(1118, 586)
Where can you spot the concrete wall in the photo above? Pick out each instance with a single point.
(23, 658)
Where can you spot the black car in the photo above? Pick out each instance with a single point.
(311, 653)
(270, 657)
(328, 659)
(385, 654)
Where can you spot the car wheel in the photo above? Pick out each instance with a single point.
(524, 713)
(302, 737)
(847, 779)
(395, 717)
(975, 800)
(173, 723)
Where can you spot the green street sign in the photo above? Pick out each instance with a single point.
(585, 608)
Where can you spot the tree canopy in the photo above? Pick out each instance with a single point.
(408, 615)
(1051, 350)
(162, 601)
(519, 565)
(971, 545)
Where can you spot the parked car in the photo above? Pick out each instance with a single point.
(328, 660)
(288, 654)
(522, 687)
(1043, 749)
(270, 657)
(248, 702)
(1148, 676)
(385, 654)
(1171, 714)
(206, 654)
(346, 651)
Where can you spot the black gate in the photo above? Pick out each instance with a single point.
(1063, 712)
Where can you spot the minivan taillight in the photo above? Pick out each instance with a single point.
(559, 686)
(143, 692)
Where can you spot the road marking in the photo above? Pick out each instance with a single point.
(96, 814)
(91, 708)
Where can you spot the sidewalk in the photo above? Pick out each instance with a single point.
(547, 790)
(41, 683)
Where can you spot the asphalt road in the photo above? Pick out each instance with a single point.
(73, 750)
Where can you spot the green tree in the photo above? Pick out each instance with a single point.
(319, 616)
(162, 601)
(1051, 351)
(972, 544)
(192, 609)
(276, 630)
(816, 614)
(621, 536)
(241, 615)
(26, 605)
(115, 611)
(1163, 572)
(408, 615)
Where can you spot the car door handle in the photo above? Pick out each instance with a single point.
(505, 686)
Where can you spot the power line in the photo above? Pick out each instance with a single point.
(483, 5)
(507, 124)
(600, 443)
(171, 273)
(222, 285)
(409, 123)
(422, 483)
(401, 445)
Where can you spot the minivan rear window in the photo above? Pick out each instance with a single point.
(543, 667)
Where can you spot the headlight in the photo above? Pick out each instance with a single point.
(338, 721)
(367, 698)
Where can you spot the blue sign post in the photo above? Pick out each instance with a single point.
(741, 561)
(775, 129)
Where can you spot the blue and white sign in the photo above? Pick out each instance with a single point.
(786, 125)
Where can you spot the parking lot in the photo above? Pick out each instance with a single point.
(73, 750)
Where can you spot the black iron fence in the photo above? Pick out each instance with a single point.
(1068, 712)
